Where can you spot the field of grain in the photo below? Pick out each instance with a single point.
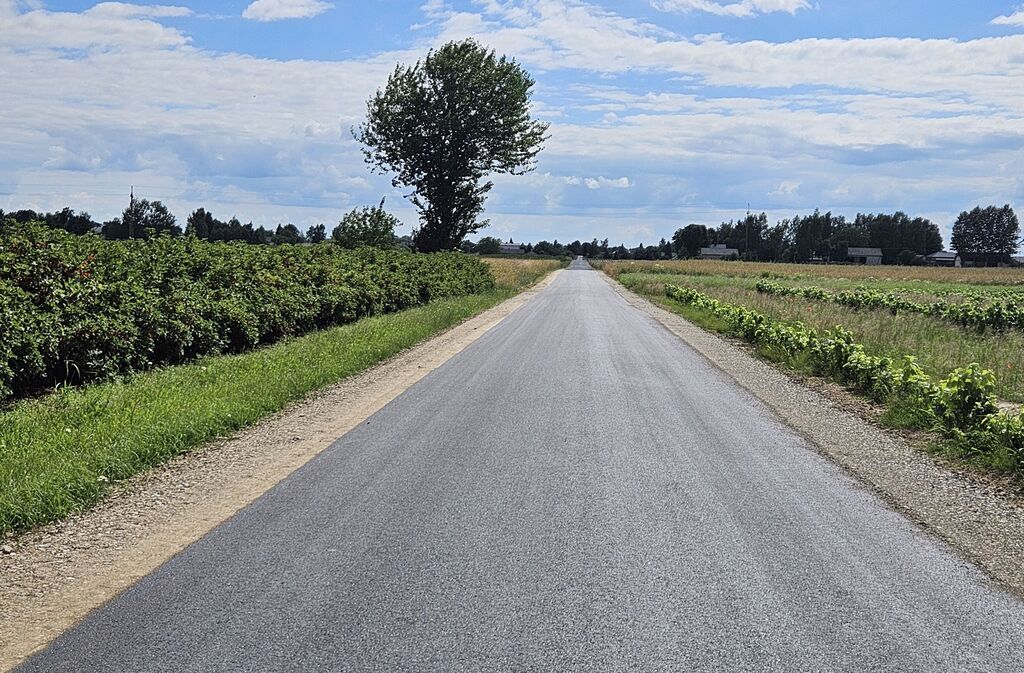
(842, 272)
(516, 273)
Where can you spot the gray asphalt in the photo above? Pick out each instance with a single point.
(576, 491)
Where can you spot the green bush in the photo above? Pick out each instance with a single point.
(964, 400)
(78, 308)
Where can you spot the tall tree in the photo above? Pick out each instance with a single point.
(488, 245)
(812, 235)
(987, 234)
(200, 224)
(689, 240)
(288, 234)
(140, 219)
(70, 221)
(444, 124)
(897, 232)
(316, 234)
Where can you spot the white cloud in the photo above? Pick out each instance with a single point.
(276, 10)
(1015, 19)
(124, 10)
(9, 8)
(743, 8)
(786, 188)
(553, 34)
(435, 9)
(599, 182)
(39, 31)
(921, 125)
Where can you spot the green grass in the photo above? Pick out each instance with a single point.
(59, 453)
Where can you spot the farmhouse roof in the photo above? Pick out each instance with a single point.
(863, 252)
(943, 254)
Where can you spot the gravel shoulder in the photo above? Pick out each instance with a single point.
(51, 578)
(981, 518)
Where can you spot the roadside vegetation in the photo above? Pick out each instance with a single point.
(78, 308)
(930, 371)
(61, 451)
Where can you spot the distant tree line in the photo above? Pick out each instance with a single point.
(816, 237)
(144, 219)
(984, 236)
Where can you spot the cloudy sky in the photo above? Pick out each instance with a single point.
(663, 112)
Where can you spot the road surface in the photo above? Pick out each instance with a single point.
(576, 491)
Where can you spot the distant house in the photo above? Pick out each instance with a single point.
(719, 251)
(869, 256)
(944, 258)
(511, 248)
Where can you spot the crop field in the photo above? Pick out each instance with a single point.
(849, 274)
(958, 332)
(517, 273)
(78, 309)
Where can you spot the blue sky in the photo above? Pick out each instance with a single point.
(663, 112)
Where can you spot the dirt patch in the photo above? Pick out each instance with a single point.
(980, 516)
(52, 577)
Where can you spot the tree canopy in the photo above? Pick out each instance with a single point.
(445, 123)
(688, 241)
(140, 219)
(992, 233)
(202, 224)
(317, 233)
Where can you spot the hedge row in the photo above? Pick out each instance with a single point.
(963, 405)
(976, 313)
(78, 308)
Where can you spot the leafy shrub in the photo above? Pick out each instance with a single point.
(1009, 433)
(964, 400)
(78, 308)
(374, 227)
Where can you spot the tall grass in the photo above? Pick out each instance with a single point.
(971, 276)
(939, 346)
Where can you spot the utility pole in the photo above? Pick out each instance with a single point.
(746, 234)
(131, 212)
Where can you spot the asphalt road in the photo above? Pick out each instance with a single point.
(576, 491)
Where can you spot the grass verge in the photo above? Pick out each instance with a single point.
(58, 454)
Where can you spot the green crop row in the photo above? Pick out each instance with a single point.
(976, 313)
(78, 308)
(962, 406)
